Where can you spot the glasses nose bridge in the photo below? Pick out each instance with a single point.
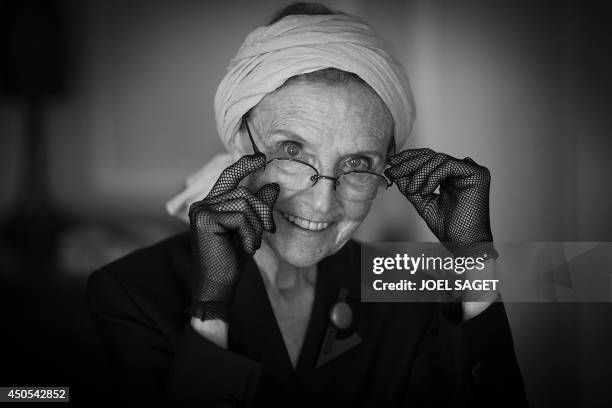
(315, 179)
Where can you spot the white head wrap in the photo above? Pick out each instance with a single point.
(292, 46)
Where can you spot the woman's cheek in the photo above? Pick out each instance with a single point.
(354, 214)
(254, 181)
(356, 211)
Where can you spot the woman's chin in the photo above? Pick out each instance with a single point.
(294, 253)
(300, 248)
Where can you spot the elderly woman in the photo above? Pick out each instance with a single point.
(311, 111)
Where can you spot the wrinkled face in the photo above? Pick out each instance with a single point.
(334, 128)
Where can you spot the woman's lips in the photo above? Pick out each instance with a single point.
(304, 223)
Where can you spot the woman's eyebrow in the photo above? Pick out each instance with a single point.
(290, 135)
(365, 152)
(294, 136)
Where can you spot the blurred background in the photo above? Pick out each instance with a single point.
(106, 107)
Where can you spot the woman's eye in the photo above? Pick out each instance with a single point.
(357, 163)
(292, 149)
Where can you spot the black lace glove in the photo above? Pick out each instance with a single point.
(459, 215)
(226, 211)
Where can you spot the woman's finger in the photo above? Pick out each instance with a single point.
(245, 205)
(442, 172)
(250, 238)
(237, 192)
(418, 179)
(451, 170)
(231, 176)
(239, 221)
(206, 223)
(408, 154)
(261, 202)
(458, 173)
(267, 196)
(408, 166)
(426, 206)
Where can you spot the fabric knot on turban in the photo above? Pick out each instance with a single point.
(295, 45)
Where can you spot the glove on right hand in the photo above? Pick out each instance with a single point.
(459, 214)
(228, 209)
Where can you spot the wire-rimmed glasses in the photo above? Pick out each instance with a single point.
(296, 175)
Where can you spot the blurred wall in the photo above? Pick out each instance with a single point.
(504, 83)
(522, 88)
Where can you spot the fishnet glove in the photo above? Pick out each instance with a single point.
(228, 210)
(459, 215)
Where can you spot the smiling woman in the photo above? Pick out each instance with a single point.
(310, 110)
(335, 128)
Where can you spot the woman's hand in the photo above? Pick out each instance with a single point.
(458, 215)
(460, 212)
(214, 330)
(227, 210)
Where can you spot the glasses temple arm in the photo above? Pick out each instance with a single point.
(392, 150)
(255, 149)
(392, 147)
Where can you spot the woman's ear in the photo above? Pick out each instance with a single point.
(238, 148)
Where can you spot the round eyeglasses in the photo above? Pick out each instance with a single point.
(295, 175)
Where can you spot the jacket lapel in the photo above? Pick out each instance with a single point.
(340, 282)
(254, 331)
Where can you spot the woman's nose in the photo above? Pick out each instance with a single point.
(323, 195)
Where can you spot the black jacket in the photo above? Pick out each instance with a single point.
(395, 354)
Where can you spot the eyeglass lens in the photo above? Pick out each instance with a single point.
(295, 176)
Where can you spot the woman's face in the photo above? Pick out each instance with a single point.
(334, 128)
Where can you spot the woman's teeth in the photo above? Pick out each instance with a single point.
(306, 224)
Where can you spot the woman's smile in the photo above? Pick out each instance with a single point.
(324, 125)
(305, 223)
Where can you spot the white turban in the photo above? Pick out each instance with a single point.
(292, 46)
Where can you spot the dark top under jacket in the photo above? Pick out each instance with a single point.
(394, 355)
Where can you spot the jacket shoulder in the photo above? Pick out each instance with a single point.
(150, 285)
